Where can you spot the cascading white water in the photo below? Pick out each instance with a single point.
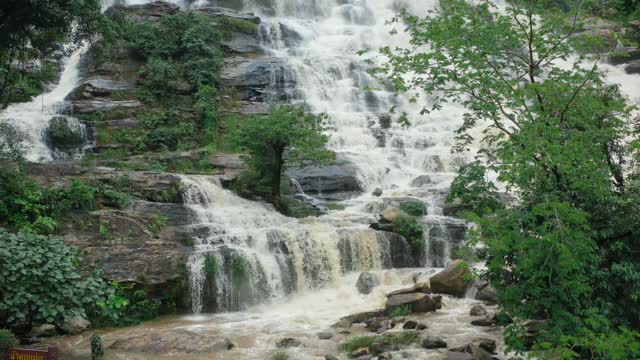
(32, 118)
(255, 253)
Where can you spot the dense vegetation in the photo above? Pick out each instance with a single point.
(565, 249)
(182, 56)
(35, 30)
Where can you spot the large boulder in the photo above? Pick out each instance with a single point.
(74, 325)
(391, 213)
(487, 294)
(419, 302)
(633, 67)
(98, 87)
(334, 182)
(104, 105)
(65, 132)
(252, 78)
(433, 342)
(479, 349)
(453, 280)
(366, 282)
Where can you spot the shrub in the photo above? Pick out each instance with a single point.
(403, 310)
(11, 147)
(414, 208)
(230, 24)
(97, 351)
(125, 306)
(7, 339)
(280, 355)
(409, 227)
(41, 282)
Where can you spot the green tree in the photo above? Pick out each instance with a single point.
(285, 136)
(35, 29)
(566, 249)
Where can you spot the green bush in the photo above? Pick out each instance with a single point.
(403, 310)
(125, 306)
(280, 355)
(26, 205)
(409, 227)
(230, 24)
(414, 208)
(41, 281)
(7, 339)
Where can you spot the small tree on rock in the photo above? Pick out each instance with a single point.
(285, 136)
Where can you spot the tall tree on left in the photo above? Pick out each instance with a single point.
(34, 29)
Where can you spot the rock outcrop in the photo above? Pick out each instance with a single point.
(334, 182)
(453, 280)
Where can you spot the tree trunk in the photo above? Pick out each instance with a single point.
(277, 174)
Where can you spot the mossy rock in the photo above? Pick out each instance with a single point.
(65, 132)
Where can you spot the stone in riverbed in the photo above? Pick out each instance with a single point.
(433, 342)
(377, 192)
(417, 288)
(478, 310)
(485, 321)
(330, 357)
(169, 342)
(421, 181)
(366, 282)
(288, 342)
(453, 280)
(391, 213)
(325, 335)
(410, 325)
(479, 349)
(419, 302)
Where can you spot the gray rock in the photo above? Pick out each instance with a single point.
(325, 335)
(624, 56)
(409, 325)
(90, 106)
(433, 342)
(377, 192)
(391, 213)
(459, 356)
(153, 11)
(487, 294)
(633, 67)
(288, 342)
(46, 330)
(223, 345)
(487, 321)
(215, 11)
(475, 350)
(419, 302)
(330, 357)
(385, 356)
(417, 288)
(366, 282)
(452, 280)
(98, 87)
(327, 182)
(252, 78)
(421, 181)
(74, 325)
(478, 310)
(242, 43)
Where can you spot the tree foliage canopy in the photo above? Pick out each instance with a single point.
(566, 249)
(285, 136)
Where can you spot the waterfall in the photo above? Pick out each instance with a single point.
(246, 252)
(32, 118)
